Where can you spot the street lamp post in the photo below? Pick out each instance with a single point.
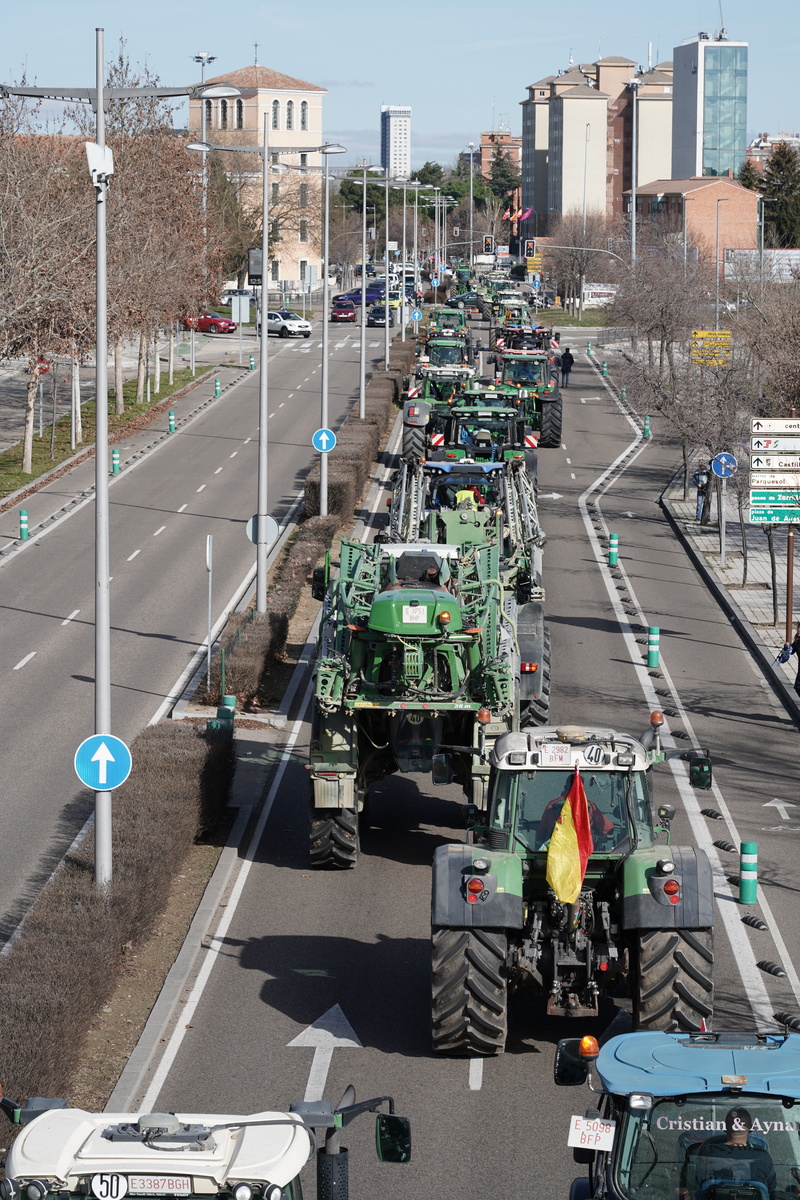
(471, 204)
(722, 200)
(326, 150)
(101, 167)
(386, 274)
(362, 352)
(204, 58)
(634, 86)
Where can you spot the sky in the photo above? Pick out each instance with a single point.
(462, 66)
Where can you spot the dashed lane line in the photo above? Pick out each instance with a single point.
(218, 470)
(24, 660)
(158, 531)
(202, 485)
(234, 454)
(182, 507)
(133, 556)
(71, 617)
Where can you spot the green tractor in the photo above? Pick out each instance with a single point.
(495, 430)
(454, 319)
(424, 660)
(533, 376)
(641, 917)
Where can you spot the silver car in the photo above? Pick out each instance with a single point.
(285, 324)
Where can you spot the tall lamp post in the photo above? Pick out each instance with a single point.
(722, 200)
(204, 58)
(326, 150)
(471, 203)
(634, 85)
(101, 168)
(362, 353)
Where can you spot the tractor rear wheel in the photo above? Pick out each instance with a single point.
(333, 834)
(674, 987)
(469, 991)
(414, 440)
(552, 420)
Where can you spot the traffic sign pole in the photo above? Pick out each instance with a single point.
(789, 582)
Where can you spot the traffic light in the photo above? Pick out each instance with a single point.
(488, 244)
(530, 247)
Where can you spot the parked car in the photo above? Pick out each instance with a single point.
(373, 294)
(285, 324)
(209, 322)
(229, 293)
(377, 315)
(343, 310)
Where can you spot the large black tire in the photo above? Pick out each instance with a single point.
(536, 711)
(414, 443)
(469, 992)
(552, 419)
(333, 837)
(673, 985)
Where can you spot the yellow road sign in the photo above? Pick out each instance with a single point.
(711, 346)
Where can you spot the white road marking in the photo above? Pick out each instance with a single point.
(217, 943)
(218, 470)
(583, 401)
(475, 1074)
(280, 405)
(338, 345)
(246, 440)
(158, 531)
(182, 507)
(71, 616)
(290, 395)
(202, 485)
(24, 660)
(271, 415)
(373, 344)
(319, 345)
(234, 454)
(563, 445)
(572, 474)
(568, 460)
(133, 556)
(306, 379)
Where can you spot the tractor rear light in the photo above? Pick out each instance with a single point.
(444, 618)
(672, 887)
(517, 759)
(482, 865)
(603, 966)
(588, 1047)
(475, 886)
(484, 716)
(413, 411)
(674, 899)
(528, 667)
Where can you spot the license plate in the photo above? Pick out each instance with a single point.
(554, 756)
(159, 1185)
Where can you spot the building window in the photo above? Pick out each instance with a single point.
(209, 107)
(276, 115)
(304, 115)
(303, 234)
(223, 114)
(273, 158)
(290, 114)
(303, 160)
(275, 230)
(275, 270)
(240, 114)
(275, 193)
(303, 264)
(302, 196)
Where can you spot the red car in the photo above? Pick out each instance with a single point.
(210, 322)
(343, 310)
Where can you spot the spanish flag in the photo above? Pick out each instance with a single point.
(571, 844)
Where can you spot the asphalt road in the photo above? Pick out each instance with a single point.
(299, 943)
(201, 481)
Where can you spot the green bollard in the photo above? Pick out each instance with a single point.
(748, 872)
(646, 430)
(604, 368)
(217, 387)
(115, 462)
(624, 396)
(252, 362)
(172, 422)
(589, 348)
(613, 549)
(23, 524)
(653, 641)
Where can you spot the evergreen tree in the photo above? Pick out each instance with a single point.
(749, 177)
(505, 175)
(431, 174)
(782, 184)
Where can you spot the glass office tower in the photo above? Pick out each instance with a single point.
(709, 107)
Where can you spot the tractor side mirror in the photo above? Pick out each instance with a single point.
(569, 1068)
(319, 583)
(442, 769)
(666, 813)
(393, 1138)
(700, 773)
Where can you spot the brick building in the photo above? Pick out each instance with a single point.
(695, 202)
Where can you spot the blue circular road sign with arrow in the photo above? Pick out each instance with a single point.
(324, 440)
(416, 315)
(724, 465)
(102, 762)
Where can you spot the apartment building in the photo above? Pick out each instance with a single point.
(396, 140)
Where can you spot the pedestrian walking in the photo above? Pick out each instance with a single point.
(567, 363)
(701, 481)
(794, 648)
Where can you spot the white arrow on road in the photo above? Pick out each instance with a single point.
(551, 496)
(330, 1030)
(781, 806)
(103, 756)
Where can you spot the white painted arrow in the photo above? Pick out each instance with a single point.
(781, 806)
(330, 1030)
(628, 514)
(551, 496)
(103, 756)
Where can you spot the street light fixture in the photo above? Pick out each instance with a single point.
(204, 58)
(101, 167)
(634, 85)
(362, 352)
(326, 150)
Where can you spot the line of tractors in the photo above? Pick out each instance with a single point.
(434, 658)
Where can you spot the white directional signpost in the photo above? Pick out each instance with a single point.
(775, 486)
